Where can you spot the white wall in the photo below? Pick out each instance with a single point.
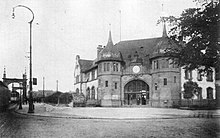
(203, 84)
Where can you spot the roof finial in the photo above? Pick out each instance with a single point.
(164, 30)
(164, 23)
(110, 37)
(109, 26)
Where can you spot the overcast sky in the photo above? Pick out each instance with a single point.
(63, 29)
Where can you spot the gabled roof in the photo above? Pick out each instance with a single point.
(85, 64)
(144, 47)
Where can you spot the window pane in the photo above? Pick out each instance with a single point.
(165, 81)
(106, 83)
(104, 66)
(199, 76)
(209, 76)
(108, 66)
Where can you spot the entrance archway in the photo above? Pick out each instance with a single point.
(136, 92)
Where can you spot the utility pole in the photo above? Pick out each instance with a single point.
(57, 85)
(43, 90)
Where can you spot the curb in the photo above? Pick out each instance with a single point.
(158, 116)
(106, 118)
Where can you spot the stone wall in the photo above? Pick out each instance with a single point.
(109, 93)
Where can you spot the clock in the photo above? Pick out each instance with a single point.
(136, 69)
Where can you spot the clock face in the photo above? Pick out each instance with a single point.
(136, 69)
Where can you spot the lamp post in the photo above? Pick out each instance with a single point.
(30, 101)
(20, 104)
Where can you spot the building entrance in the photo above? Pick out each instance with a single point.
(136, 93)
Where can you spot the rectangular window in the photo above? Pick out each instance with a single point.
(108, 66)
(165, 63)
(106, 83)
(100, 67)
(174, 79)
(156, 64)
(199, 76)
(165, 81)
(87, 76)
(188, 74)
(93, 74)
(116, 85)
(105, 67)
(116, 66)
(209, 76)
(77, 78)
(99, 81)
(155, 85)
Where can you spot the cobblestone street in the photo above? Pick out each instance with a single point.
(24, 126)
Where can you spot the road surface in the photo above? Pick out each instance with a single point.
(23, 126)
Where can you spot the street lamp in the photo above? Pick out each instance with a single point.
(31, 105)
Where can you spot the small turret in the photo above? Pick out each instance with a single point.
(109, 52)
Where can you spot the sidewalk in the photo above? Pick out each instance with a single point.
(115, 113)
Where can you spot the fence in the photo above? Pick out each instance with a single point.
(209, 103)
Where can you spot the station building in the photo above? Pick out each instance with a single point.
(135, 73)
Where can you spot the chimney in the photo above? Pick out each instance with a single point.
(99, 49)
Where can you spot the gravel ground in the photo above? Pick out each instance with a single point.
(23, 126)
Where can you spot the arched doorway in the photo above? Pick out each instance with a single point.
(88, 93)
(93, 93)
(136, 92)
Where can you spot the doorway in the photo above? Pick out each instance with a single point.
(136, 93)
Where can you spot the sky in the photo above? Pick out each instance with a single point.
(63, 29)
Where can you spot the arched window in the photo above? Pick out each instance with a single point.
(209, 93)
(88, 93)
(77, 91)
(136, 86)
(93, 93)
